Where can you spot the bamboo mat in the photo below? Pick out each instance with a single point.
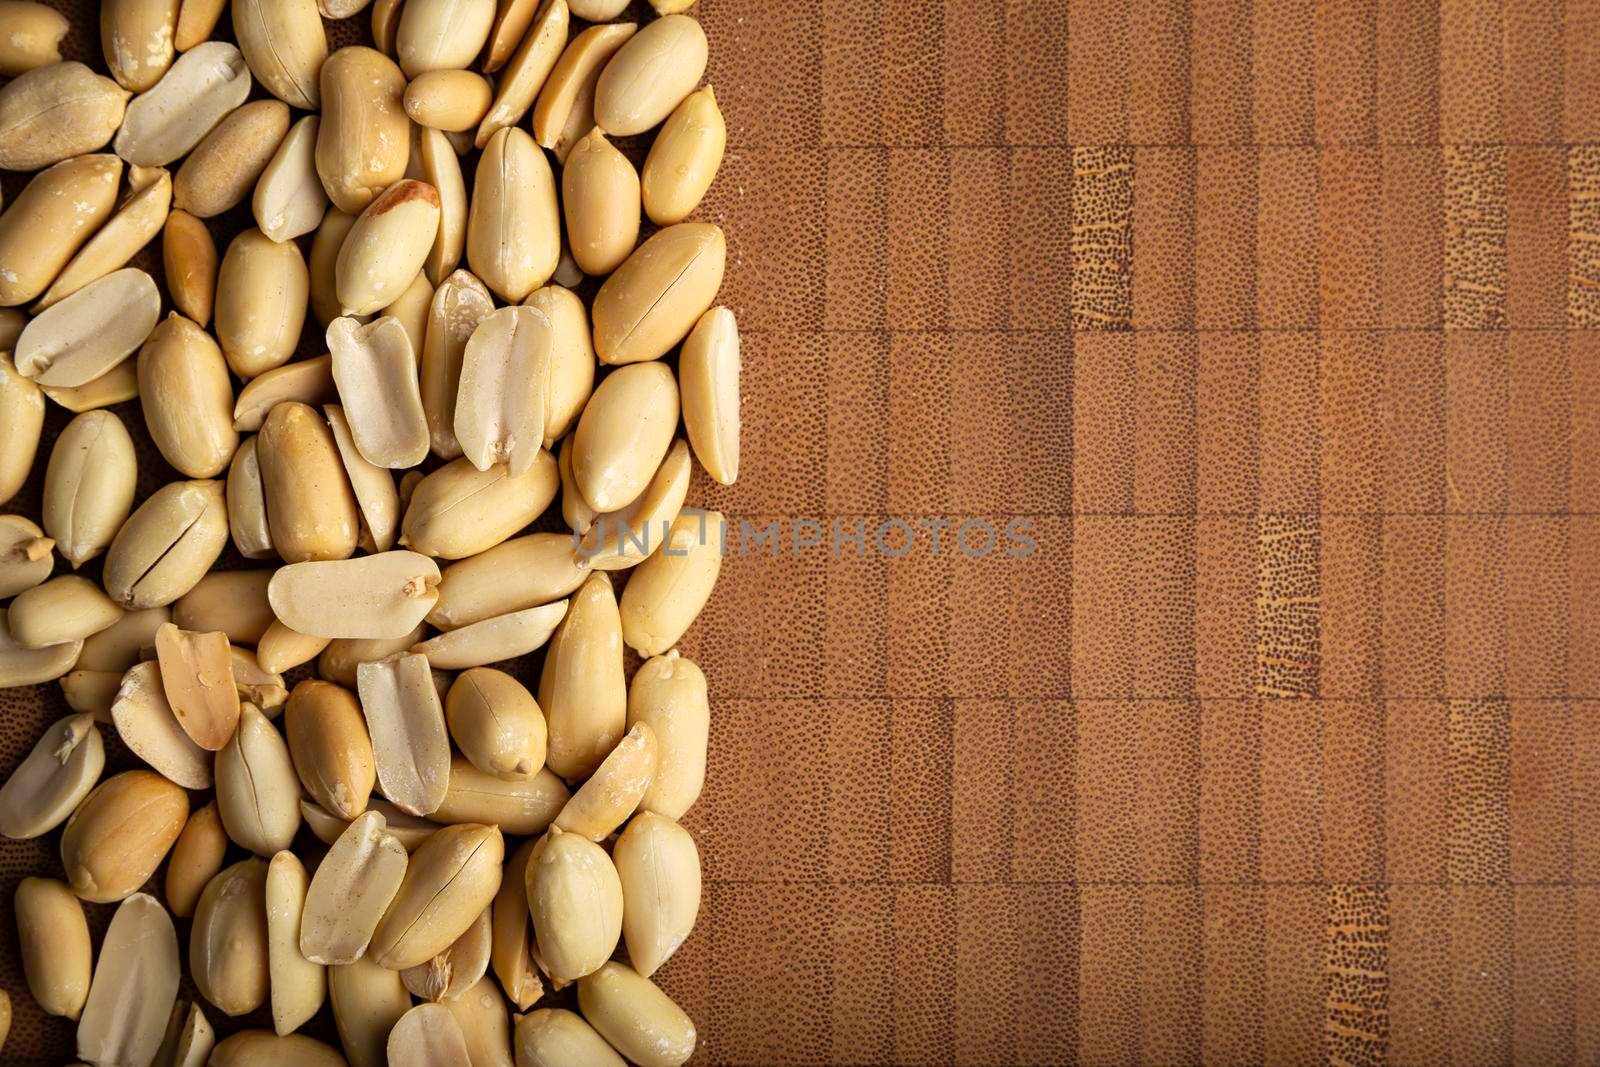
(1274, 323)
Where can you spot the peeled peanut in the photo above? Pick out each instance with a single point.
(582, 689)
(125, 643)
(387, 246)
(624, 434)
(650, 75)
(411, 308)
(364, 140)
(189, 1039)
(576, 901)
(68, 608)
(234, 602)
(92, 692)
(228, 941)
(659, 867)
(57, 112)
(496, 723)
(500, 401)
(459, 511)
(298, 986)
(556, 1037)
(116, 385)
(89, 485)
(53, 941)
(667, 591)
(340, 660)
(21, 424)
(451, 100)
(150, 729)
(257, 791)
(284, 44)
(311, 509)
(50, 220)
(224, 167)
(636, 1017)
(684, 158)
(376, 373)
(481, 1013)
(247, 504)
(197, 678)
(190, 257)
(378, 596)
(282, 648)
(600, 194)
(350, 891)
(368, 1000)
(373, 485)
(87, 334)
(137, 39)
(611, 794)
(514, 226)
(331, 749)
(324, 262)
(196, 859)
(521, 573)
(32, 37)
(196, 20)
(450, 880)
(53, 779)
(669, 693)
(525, 806)
(262, 1048)
(441, 34)
(459, 304)
(308, 381)
(708, 377)
(500, 638)
(261, 302)
(30, 666)
(167, 545)
(120, 833)
(406, 721)
(625, 538)
(440, 168)
(187, 398)
(572, 360)
(654, 299)
(427, 1036)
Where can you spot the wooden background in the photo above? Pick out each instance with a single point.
(1275, 320)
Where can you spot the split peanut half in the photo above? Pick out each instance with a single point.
(52, 217)
(565, 111)
(135, 986)
(21, 425)
(197, 676)
(350, 891)
(523, 806)
(708, 376)
(459, 304)
(149, 727)
(289, 200)
(427, 1036)
(166, 122)
(87, 334)
(527, 69)
(406, 721)
(611, 794)
(370, 597)
(499, 415)
(493, 640)
(53, 779)
(375, 370)
(373, 486)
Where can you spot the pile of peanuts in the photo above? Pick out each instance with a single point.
(455, 823)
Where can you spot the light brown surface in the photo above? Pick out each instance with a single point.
(1274, 320)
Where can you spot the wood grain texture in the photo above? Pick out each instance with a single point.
(1278, 323)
